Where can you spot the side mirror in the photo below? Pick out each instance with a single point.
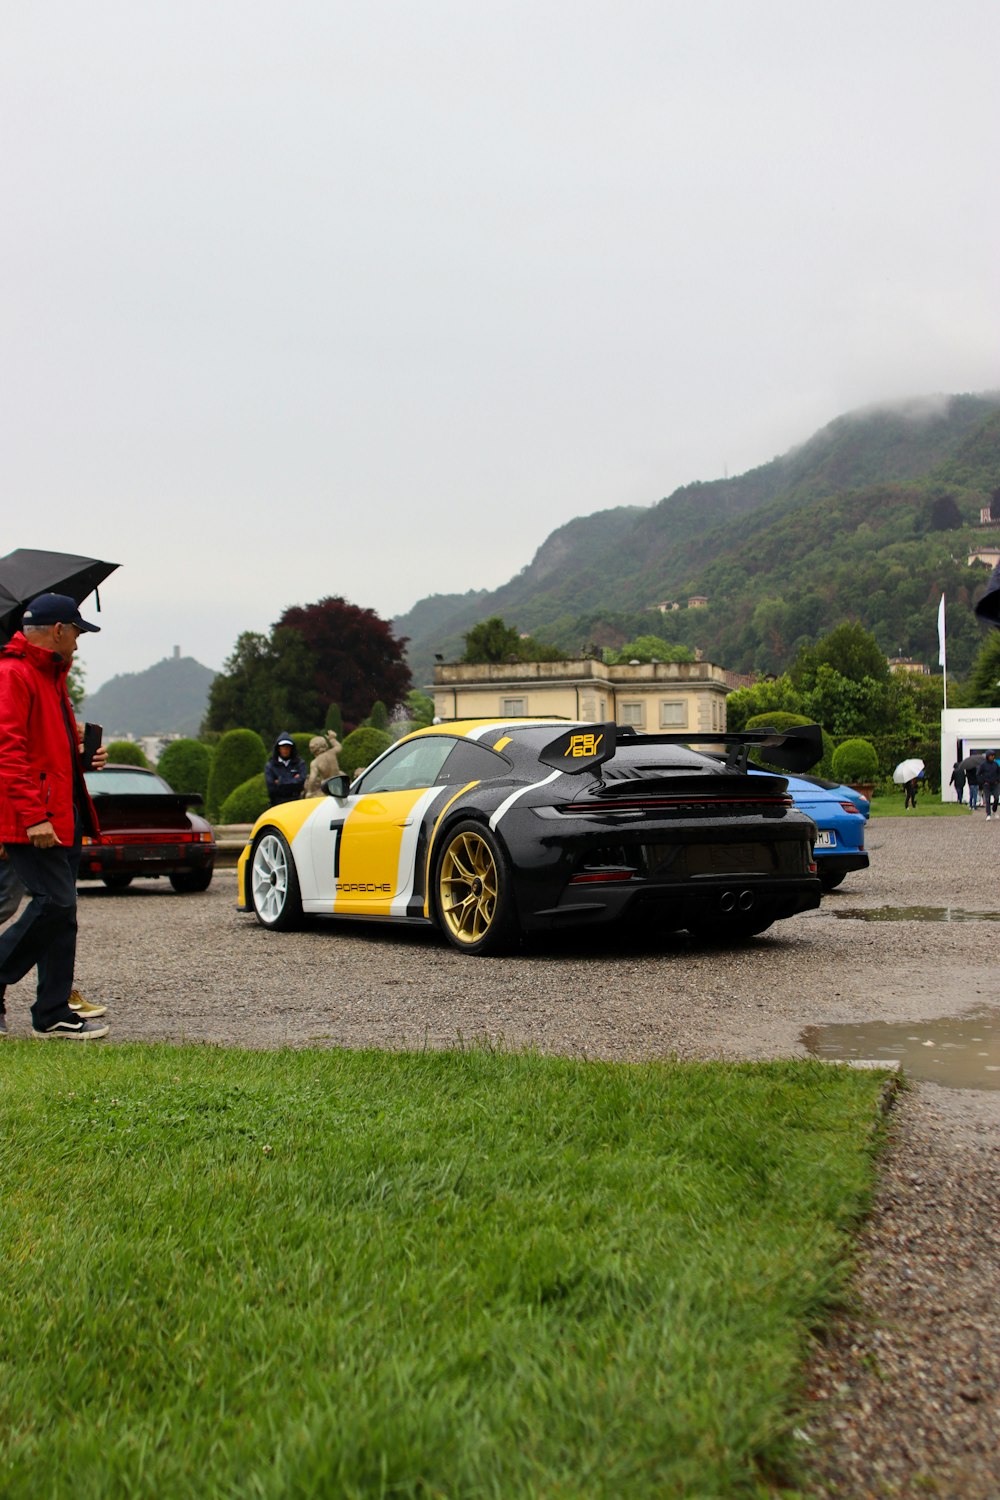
(337, 786)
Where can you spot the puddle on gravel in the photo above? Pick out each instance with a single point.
(916, 914)
(959, 1052)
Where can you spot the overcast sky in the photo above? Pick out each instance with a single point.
(367, 298)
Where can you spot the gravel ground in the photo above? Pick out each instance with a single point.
(906, 1388)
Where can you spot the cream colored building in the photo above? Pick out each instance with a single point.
(667, 697)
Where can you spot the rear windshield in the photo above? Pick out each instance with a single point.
(130, 783)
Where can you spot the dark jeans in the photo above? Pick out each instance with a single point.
(991, 795)
(11, 890)
(44, 935)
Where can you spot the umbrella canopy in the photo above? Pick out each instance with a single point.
(971, 763)
(27, 572)
(906, 770)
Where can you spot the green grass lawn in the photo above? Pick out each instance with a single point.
(929, 805)
(465, 1274)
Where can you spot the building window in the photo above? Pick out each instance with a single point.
(634, 714)
(673, 714)
(514, 708)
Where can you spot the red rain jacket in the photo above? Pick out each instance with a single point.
(36, 752)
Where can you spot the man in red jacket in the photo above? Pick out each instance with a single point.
(44, 810)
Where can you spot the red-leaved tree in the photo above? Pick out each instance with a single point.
(356, 658)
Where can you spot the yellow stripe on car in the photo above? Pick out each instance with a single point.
(430, 843)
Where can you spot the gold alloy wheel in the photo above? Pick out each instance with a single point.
(468, 887)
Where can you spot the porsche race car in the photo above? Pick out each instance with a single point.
(492, 828)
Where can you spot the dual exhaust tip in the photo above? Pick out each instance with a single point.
(731, 902)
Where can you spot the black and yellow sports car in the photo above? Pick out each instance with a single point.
(491, 828)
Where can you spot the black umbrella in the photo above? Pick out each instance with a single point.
(988, 607)
(971, 763)
(26, 573)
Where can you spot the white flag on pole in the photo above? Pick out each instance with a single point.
(942, 655)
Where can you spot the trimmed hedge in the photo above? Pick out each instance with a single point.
(185, 765)
(239, 755)
(246, 802)
(360, 748)
(855, 760)
(126, 753)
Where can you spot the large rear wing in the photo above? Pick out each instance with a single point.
(587, 749)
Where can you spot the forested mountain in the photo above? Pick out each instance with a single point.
(167, 698)
(872, 518)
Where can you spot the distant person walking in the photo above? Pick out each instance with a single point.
(957, 780)
(285, 772)
(910, 788)
(989, 782)
(974, 786)
(44, 811)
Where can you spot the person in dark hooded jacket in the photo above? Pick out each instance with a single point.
(988, 777)
(285, 773)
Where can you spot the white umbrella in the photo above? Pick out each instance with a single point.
(906, 770)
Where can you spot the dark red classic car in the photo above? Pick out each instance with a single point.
(146, 829)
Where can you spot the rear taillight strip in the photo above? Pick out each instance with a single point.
(678, 803)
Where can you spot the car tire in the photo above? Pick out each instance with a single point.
(830, 879)
(117, 882)
(186, 881)
(273, 882)
(473, 891)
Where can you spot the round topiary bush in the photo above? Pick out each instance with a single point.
(855, 761)
(127, 753)
(239, 755)
(185, 766)
(246, 803)
(360, 749)
(780, 720)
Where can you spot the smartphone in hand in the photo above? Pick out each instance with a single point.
(92, 737)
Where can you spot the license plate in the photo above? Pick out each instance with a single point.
(825, 840)
(729, 859)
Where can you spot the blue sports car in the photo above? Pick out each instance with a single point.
(840, 815)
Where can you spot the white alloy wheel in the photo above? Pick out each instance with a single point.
(274, 886)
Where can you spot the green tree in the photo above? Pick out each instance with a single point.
(239, 755)
(492, 641)
(265, 685)
(419, 708)
(849, 649)
(334, 720)
(983, 687)
(647, 648)
(185, 766)
(127, 753)
(355, 658)
(846, 706)
(772, 694)
(379, 716)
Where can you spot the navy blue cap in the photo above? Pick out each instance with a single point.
(55, 609)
